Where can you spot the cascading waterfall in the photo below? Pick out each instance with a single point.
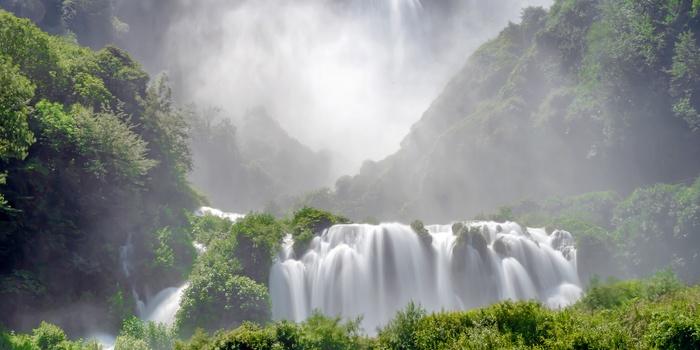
(401, 23)
(373, 271)
(216, 212)
(163, 306)
(126, 253)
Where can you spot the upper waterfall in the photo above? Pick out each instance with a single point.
(373, 271)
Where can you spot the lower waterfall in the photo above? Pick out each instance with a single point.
(374, 270)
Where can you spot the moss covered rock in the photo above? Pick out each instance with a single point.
(418, 227)
(308, 223)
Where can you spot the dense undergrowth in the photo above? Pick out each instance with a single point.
(658, 312)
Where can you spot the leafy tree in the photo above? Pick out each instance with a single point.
(644, 226)
(217, 299)
(399, 332)
(15, 136)
(309, 222)
(685, 73)
(110, 158)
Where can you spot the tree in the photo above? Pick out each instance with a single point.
(15, 136)
(685, 73)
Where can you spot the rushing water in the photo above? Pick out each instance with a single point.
(373, 271)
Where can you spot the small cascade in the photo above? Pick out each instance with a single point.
(163, 306)
(373, 271)
(216, 212)
(401, 25)
(126, 254)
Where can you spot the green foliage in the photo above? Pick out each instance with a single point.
(259, 237)
(120, 305)
(505, 213)
(317, 332)
(93, 21)
(148, 334)
(685, 72)
(15, 137)
(108, 153)
(199, 340)
(609, 295)
(48, 336)
(173, 253)
(645, 224)
(591, 94)
(309, 222)
(228, 282)
(614, 293)
(656, 312)
(215, 299)
(321, 332)
(125, 342)
(399, 332)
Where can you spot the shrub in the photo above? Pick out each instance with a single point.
(309, 222)
(157, 336)
(400, 332)
(48, 336)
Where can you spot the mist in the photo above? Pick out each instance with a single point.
(350, 77)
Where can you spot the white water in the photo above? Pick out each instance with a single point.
(216, 212)
(163, 306)
(350, 76)
(126, 253)
(373, 271)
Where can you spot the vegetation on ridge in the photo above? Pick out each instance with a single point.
(90, 153)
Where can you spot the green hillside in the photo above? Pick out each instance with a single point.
(93, 151)
(588, 95)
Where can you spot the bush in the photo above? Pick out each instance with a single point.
(309, 222)
(321, 332)
(675, 332)
(48, 336)
(157, 336)
(216, 299)
(127, 342)
(400, 332)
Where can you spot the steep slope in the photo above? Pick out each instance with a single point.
(592, 94)
(91, 156)
(247, 166)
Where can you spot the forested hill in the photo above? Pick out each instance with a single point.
(92, 153)
(255, 165)
(588, 95)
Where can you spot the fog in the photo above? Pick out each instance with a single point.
(347, 76)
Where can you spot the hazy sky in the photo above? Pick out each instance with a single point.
(348, 76)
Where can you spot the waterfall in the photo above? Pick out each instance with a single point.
(126, 253)
(373, 271)
(216, 212)
(400, 25)
(163, 306)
